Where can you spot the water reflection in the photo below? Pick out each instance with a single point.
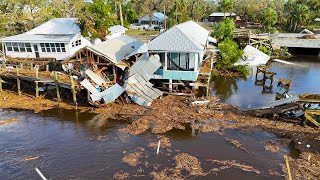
(305, 76)
(224, 87)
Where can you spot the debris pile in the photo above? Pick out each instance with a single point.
(113, 67)
(189, 163)
(132, 159)
(232, 164)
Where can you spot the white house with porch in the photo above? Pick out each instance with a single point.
(57, 38)
(181, 50)
(156, 20)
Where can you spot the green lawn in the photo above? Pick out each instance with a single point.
(141, 32)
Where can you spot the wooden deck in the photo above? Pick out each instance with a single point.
(296, 40)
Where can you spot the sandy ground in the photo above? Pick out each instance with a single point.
(174, 112)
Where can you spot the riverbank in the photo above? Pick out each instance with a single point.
(173, 112)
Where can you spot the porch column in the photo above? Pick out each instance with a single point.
(196, 61)
(165, 61)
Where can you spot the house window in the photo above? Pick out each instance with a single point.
(76, 43)
(52, 47)
(18, 47)
(179, 61)
(9, 46)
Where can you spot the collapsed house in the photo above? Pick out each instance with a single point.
(115, 66)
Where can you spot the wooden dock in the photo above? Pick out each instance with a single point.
(296, 40)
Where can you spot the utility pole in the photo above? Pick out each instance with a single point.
(3, 53)
(120, 7)
(165, 19)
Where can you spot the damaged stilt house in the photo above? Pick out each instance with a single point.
(182, 50)
(113, 67)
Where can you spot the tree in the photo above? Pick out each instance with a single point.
(230, 54)
(96, 19)
(227, 5)
(270, 18)
(301, 14)
(224, 29)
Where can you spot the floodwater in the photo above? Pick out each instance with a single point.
(67, 144)
(305, 76)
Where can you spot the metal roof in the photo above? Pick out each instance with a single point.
(119, 48)
(57, 26)
(39, 38)
(221, 14)
(54, 30)
(185, 37)
(157, 16)
(117, 28)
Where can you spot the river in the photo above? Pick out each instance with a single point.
(243, 93)
(67, 144)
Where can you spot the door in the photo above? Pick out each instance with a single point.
(36, 50)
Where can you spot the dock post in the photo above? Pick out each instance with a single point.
(47, 67)
(37, 83)
(57, 85)
(1, 84)
(31, 65)
(21, 65)
(74, 93)
(18, 82)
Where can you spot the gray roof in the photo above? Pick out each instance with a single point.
(185, 37)
(39, 38)
(117, 28)
(221, 14)
(119, 48)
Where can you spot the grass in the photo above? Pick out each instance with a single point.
(141, 32)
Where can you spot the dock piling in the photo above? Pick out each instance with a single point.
(18, 82)
(56, 80)
(74, 93)
(36, 82)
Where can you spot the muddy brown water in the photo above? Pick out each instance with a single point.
(245, 94)
(74, 145)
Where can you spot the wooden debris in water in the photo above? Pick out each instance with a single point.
(31, 158)
(8, 121)
(189, 163)
(167, 174)
(40, 174)
(236, 143)
(232, 164)
(132, 159)
(165, 143)
(120, 175)
(271, 146)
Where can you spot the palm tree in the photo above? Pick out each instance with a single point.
(227, 5)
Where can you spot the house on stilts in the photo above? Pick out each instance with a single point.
(183, 49)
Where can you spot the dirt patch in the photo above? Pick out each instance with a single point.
(121, 175)
(189, 163)
(271, 146)
(9, 121)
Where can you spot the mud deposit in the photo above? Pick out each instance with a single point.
(68, 144)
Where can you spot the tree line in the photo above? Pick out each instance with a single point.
(95, 16)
